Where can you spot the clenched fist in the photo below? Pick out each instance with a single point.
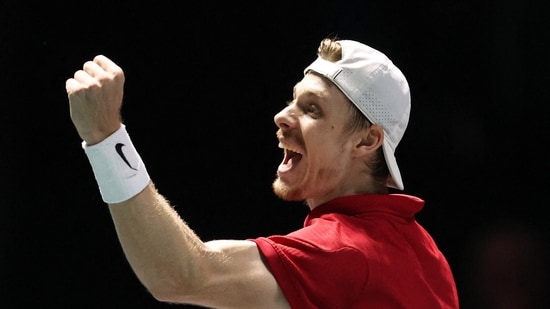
(95, 97)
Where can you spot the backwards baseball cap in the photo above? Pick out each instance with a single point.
(378, 88)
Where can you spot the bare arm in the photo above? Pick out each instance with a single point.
(166, 255)
(176, 266)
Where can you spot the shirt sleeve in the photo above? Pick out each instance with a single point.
(314, 275)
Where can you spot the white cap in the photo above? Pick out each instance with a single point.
(378, 88)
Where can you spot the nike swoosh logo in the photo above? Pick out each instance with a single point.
(118, 148)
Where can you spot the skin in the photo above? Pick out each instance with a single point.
(332, 162)
(166, 255)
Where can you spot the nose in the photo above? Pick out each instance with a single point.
(286, 118)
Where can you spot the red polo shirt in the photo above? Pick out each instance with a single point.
(361, 251)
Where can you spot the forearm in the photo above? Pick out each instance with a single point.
(166, 255)
(162, 250)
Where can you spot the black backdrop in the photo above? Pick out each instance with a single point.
(203, 81)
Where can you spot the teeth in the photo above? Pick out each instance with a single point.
(289, 148)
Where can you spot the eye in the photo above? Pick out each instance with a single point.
(312, 109)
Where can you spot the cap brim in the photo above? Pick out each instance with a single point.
(394, 180)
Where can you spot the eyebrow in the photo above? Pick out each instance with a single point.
(311, 93)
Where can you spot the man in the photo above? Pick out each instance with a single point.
(360, 246)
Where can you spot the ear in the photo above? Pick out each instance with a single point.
(368, 141)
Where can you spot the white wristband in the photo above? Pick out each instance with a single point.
(118, 168)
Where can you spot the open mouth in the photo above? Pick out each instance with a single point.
(292, 156)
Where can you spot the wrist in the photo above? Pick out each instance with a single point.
(93, 137)
(117, 166)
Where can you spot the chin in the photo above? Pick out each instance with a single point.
(285, 192)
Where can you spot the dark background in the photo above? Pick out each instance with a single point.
(203, 81)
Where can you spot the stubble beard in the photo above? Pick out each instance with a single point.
(284, 192)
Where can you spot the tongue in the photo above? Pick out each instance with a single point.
(294, 158)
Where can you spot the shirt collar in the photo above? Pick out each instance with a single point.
(402, 205)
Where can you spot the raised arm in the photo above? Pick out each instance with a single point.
(166, 255)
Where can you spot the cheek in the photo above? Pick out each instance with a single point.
(324, 142)
(329, 170)
(329, 152)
